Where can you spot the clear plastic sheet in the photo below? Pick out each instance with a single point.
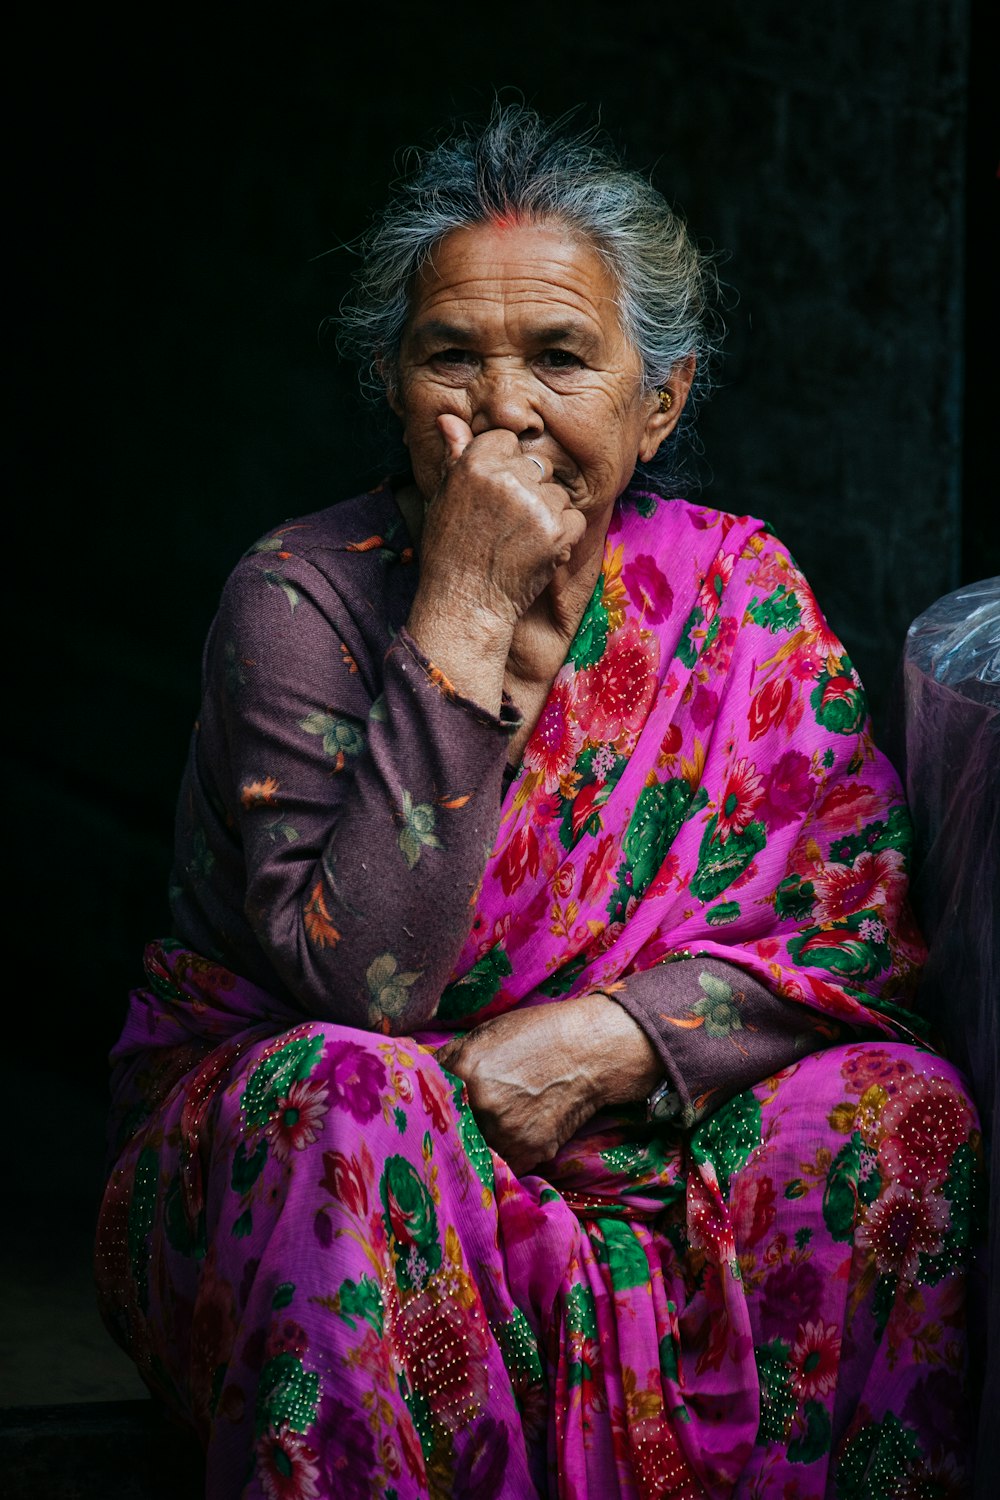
(946, 743)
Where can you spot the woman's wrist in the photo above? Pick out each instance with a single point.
(621, 1062)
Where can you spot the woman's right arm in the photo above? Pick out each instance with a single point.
(340, 801)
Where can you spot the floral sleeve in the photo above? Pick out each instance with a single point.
(358, 798)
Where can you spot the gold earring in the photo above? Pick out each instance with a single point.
(666, 399)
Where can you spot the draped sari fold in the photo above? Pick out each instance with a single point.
(313, 1256)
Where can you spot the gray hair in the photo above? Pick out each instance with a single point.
(519, 166)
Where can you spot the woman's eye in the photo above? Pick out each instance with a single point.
(559, 359)
(453, 357)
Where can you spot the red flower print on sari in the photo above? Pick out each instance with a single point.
(436, 1099)
(557, 737)
(343, 1178)
(298, 1118)
(924, 1123)
(848, 808)
(714, 582)
(648, 589)
(874, 879)
(769, 705)
(286, 1466)
(822, 638)
(753, 1209)
(902, 1225)
(614, 696)
(815, 1360)
(599, 868)
(519, 859)
(740, 799)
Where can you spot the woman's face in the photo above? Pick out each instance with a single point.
(516, 327)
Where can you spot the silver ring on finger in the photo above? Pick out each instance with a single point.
(533, 460)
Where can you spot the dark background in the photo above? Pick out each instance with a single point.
(181, 193)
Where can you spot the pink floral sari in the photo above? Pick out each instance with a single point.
(314, 1258)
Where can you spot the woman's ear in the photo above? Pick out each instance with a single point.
(668, 403)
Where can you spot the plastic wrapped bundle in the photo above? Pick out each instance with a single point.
(951, 718)
(948, 747)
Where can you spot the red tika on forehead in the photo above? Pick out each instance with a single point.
(510, 218)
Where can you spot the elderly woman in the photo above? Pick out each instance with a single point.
(525, 1102)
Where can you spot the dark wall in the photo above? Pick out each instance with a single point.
(182, 197)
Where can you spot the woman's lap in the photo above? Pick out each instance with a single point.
(320, 1276)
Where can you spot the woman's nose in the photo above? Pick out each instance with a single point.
(504, 397)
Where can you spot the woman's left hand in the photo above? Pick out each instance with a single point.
(534, 1076)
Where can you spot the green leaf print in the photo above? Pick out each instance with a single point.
(883, 1299)
(287, 1393)
(592, 636)
(656, 818)
(625, 1257)
(719, 863)
(896, 832)
(581, 1327)
(388, 988)
(277, 580)
(839, 701)
(471, 1136)
(411, 1219)
(841, 947)
(794, 898)
(717, 1008)
(562, 980)
(687, 649)
(779, 612)
(273, 1077)
(840, 1195)
(417, 833)
(361, 1299)
(476, 988)
(283, 1294)
(246, 1169)
(815, 1441)
(873, 1460)
(728, 1136)
(777, 1399)
(341, 737)
(519, 1349)
(721, 916)
(964, 1187)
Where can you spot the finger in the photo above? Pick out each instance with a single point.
(456, 433)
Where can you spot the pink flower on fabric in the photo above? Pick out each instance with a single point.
(793, 1294)
(443, 1338)
(356, 1078)
(788, 791)
(924, 1124)
(874, 879)
(704, 706)
(815, 1360)
(614, 696)
(740, 799)
(600, 867)
(298, 1118)
(557, 737)
(648, 589)
(902, 1225)
(286, 1465)
(867, 1065)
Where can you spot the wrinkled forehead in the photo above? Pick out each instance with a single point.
(542, 267)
